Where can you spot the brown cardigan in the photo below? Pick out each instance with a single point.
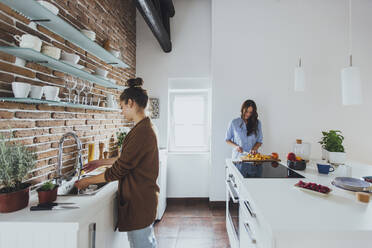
(137, 169)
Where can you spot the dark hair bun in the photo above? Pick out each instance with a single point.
(134, 82)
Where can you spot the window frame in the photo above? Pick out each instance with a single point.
(171, 130)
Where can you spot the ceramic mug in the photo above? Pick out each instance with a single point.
(51, 51)
(325, 168)
(36, 92)
(20, 90)
(51, 93)
(29, 41)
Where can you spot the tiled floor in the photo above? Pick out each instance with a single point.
(192, 224)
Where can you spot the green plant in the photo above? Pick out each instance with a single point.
(332, 141)
(16, 161)
(121, 137)
(47, 186)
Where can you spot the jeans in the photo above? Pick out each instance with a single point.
(142, 238)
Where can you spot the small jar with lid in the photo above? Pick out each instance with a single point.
(302, 149)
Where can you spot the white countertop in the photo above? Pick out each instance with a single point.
(287, 208)
(71, 218)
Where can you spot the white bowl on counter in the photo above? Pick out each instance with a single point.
(89, 33)
(51, 93)
(51, 51)
(21, 90)
(52, 8)
(70, 57)
(100, 72)
(36, 92)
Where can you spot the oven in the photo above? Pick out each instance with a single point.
(232, 209)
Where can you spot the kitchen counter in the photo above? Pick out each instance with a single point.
(70, 228)
(306, 219)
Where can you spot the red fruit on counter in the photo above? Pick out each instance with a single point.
(291, 156)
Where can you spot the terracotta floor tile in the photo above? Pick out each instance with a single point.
(168, 227)
(197, 227)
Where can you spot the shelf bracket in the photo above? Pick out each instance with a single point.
(40, 20)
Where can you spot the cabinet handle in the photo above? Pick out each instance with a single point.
(92, 235)
(249, 208)
(232, 192)
(249, 231)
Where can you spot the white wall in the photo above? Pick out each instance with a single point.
(190, 58)
(255, 46)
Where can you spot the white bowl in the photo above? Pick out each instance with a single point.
(100, 72)
(89, 33)
(71, 57)
(52, 8)
(21, 90)
(51, 93)
(51, 51)
(114, 52)
(36, 92)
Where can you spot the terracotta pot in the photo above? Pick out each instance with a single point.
(14, 201)
(47, 196)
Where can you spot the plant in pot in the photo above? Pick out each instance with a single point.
(323, 142)
(121, 137)
(47, 193)
(333, 144)
(16, 161)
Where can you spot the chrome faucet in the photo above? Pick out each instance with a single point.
(79, 159)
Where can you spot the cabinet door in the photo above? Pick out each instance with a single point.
(247, 236)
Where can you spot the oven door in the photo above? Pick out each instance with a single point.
(232, 206)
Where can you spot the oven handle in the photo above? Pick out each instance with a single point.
(249, 208)
(249, 231)
(233, 193)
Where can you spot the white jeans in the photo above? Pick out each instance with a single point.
(142, 238)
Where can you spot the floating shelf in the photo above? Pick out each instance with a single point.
(34, 11)
(37, 57)
(53, 103)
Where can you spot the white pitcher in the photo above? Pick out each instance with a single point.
(110, 100)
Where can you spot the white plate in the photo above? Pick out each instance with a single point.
(73, 64)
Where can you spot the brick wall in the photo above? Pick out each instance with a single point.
(41, 126)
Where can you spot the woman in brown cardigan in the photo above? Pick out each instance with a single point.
(136, 170)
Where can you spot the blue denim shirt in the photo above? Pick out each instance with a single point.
(237, 133)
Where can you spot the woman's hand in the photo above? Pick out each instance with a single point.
(253, 151)
(82, 183)
(239, 149)
(92, 165)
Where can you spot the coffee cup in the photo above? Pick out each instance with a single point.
(29, 41)
(36, 92)
(20, 90)
(70, 57)
(51, 93)
(325, 168)
(51, 51)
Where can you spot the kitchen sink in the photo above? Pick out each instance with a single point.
(68, 189)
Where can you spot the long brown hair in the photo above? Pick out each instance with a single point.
(252, 123)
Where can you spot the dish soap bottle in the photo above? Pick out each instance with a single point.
(302, 149)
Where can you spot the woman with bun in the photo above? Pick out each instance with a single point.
(136, 170)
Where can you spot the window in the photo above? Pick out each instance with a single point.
(189, 120)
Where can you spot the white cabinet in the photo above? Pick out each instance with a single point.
(99, 230)
(162, 183)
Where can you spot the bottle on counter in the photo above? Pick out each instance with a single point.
(302, 149)
(90, 152)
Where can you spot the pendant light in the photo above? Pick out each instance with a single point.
(299, 77)
(350, 76)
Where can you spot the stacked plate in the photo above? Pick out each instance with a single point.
(352, 184)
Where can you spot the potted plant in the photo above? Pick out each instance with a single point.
(15, 162)
(333, 144)
(323, 142)
(121, 137)
(47, 193)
